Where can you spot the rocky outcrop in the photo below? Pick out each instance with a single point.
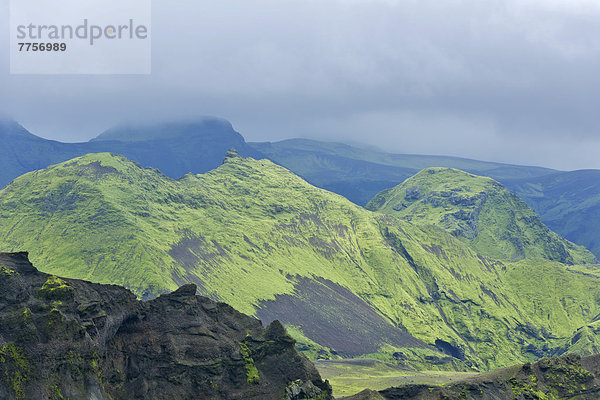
(565, 377)
(71, 339)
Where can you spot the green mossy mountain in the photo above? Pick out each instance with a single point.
(256, 236)
(480, 211)
(568, 202)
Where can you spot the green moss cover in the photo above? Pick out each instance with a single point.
(479, 211)
(567, 202)
(251, 370)
(56, 289)
(15, 370)
(6, 272)
(246, 231)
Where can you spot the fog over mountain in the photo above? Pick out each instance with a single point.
(512, 81)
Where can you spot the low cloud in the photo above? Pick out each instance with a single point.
(511, 81)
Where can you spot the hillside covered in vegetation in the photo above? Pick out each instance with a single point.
(345, 280)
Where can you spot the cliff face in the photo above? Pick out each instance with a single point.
(71, 339)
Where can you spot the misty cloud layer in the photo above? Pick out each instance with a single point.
(513, 81)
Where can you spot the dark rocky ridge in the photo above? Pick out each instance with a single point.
(565, 377)
(71, 339)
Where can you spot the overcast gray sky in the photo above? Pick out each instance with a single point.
(504, 80)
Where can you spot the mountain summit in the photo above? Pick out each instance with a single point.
(480, 211)
(205, 127)
(12, 129)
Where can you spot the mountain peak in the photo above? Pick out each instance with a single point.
(11, 129)
(453, 174)
(167, 130)
(478, 210)
(105, 158)
(232, 154)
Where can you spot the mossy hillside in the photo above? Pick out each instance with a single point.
(494, 305)
(568, 202)
(350, 376)
(479, 211)
(309, 347)
(569, 298)
(251, 222)
(246, 230)
(84, 228)
(584, 341)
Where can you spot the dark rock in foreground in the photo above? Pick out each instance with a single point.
(71, 339)
(565, 377)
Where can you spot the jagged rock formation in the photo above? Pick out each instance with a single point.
(71, 339)
(565, 377)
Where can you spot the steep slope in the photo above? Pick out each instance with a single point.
(567, 377)
(176, 148)
(249, 221)
(62, 338)
(258, 237)
(568, 202)
(480, 211)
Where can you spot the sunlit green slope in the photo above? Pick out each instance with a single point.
(254, 235)
(568, 202)
(480, 211)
